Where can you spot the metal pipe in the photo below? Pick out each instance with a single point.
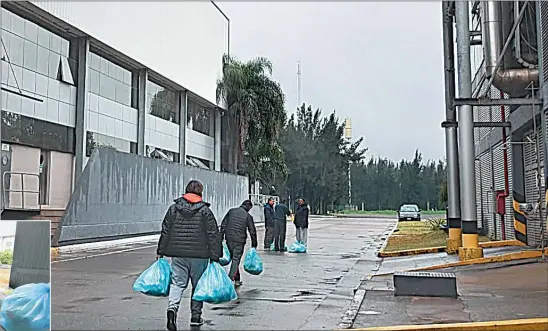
(506, 192)
(451, 142)
(511, 81)
(466, 133)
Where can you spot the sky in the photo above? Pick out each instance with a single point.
(380, 64)
(7, 228)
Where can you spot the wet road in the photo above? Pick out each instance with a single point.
(296, 291)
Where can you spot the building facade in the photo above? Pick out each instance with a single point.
(510, 162)
(65, 91)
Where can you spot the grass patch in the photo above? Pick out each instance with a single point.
(4, 277)
(389, 212)
(6, 257)
(414, 235)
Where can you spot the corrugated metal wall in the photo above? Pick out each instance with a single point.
(122, 194)
(31, 253)
(491, 176)
(534, 179)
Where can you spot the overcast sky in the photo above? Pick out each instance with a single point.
(378, 63)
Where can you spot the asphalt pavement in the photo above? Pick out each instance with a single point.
(93, 290)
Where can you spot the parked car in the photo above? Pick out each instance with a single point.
(409, 213)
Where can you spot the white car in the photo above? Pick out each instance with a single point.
(409, 213)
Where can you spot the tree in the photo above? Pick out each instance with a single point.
(317, 156)
(255, 105)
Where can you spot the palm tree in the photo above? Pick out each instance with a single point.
(256, 112)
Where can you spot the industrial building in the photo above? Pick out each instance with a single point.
(506, 43)
(149, 92)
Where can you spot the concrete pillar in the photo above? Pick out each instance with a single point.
(141, 111)
(451, 141)
(218, 141)
(183, 106)
(518, 189)
(81, 105)
(467, 157)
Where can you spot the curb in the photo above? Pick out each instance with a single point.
(440, 249)
(352, 311)
(531, 324)
(408, 252)
(385, 242)
(55, 251)
(492, 259)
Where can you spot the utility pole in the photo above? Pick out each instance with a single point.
(299, 86)
(348, 136)
(467, 158)
(451, 141)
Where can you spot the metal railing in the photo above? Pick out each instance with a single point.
(22, 191)
(261, 199)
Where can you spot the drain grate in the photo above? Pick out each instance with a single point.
(427, 284)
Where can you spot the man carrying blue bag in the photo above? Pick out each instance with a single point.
(234, 228)
(190, 235)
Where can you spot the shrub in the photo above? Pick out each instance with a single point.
(6, 257)
(436, 223)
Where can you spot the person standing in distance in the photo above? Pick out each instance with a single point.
(190, 236)
(234, 227)
(301, 222)
(269, 223)
(281, 211)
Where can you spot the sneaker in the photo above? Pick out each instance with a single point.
(196, 321)
(171, 320)
(238, 283)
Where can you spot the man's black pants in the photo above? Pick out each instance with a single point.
(279, 235)
(236, 252)
(268, 236)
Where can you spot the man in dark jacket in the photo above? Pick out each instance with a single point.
(234, 228)
(190, 236)
(301, 222)
(269, 223)
(281, 211)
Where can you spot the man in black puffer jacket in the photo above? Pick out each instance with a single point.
(234, 228)
(190, 235)
(269, 224)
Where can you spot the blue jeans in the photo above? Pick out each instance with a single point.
(185, 269)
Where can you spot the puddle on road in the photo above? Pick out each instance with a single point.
(331, 281)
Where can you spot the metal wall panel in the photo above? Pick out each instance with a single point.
(31, 253)
(121, 194)
(531, 154)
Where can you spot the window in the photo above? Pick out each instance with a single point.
(94, 140)
(162, 154)
(109, 80)
(35, 48)
(162, 102)
(199, 118)
(37, 133)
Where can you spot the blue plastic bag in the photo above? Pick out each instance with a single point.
(155, 281)
(272, 247)
(297, 247)
(27, 308)
(225, 260)
(214, 286)
(253, 264)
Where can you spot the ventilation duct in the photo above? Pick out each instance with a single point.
(511, 81)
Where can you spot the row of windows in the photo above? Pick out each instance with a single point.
(27, 54)
(34, 33)
(109, 69)
(110, 88)
(94, 140)
(162, 102)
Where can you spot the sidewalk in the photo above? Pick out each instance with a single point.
(487, 292)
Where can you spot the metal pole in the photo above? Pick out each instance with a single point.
(466, 137)
(451, 142)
